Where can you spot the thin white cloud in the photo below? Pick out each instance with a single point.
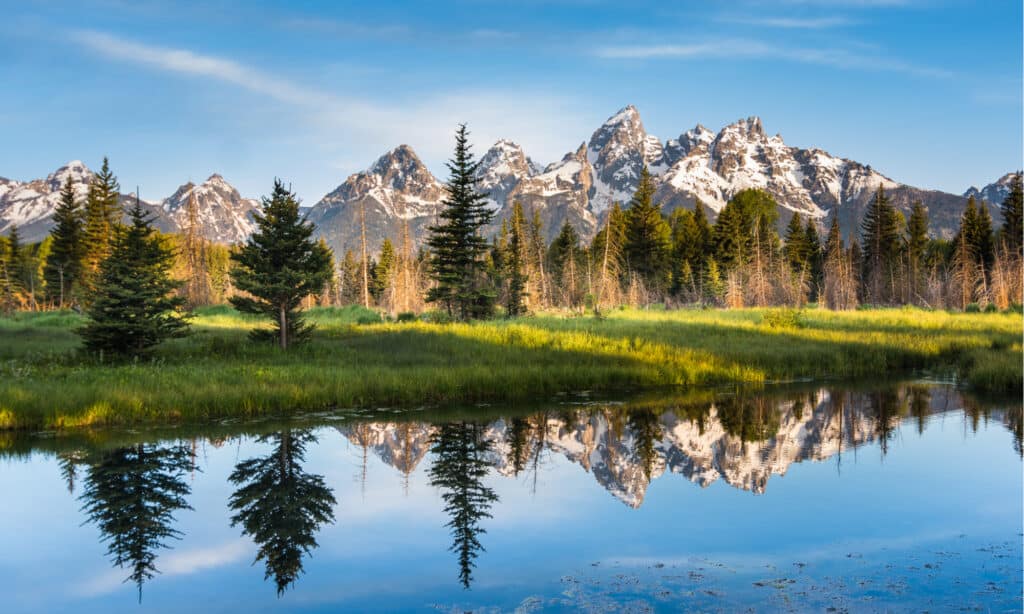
(180, 563)
(750, 49)
(189, 63)
(793, 23)
(365, 127)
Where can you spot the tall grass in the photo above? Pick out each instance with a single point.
(217, 372)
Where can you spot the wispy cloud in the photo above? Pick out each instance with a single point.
(186, 62)
(366, 126)
(755, 50)
(794, 23)
(181, 563)
(345, 28)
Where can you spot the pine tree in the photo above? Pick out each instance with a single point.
(564, 256)
(103, 216)
(916, 242)
(535, 261)
(384, 269)
(881, 236)
(796, 249)
(648, 246)
(133, 308)
(1012, 232)
(691, 236)
(516, 263)
(839, 286)
(10, 265)
(815, 258)
(457, 247)
(67, 252)
(279, 266)
(351, 279)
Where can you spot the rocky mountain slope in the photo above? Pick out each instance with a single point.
(398, 190)
(698, 165)
(994, 193)
(223, 215)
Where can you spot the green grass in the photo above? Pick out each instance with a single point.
(218, 372)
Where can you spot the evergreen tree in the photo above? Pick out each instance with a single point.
(691, 237)
(460, 466)
(8, 293)
(839, 283)
(103, 216)
(384, 269)
(281, 506)
(916, 242)
(67, 253)
(1012, 232)
(14, 261)
(815, 258)
(564, 256)
(796, 250)
(535, 259)
(745, 226)
(516, 263)
(881, 234)
(131, 495)
(133, 308)
(351, 275)
(648, 247)
(279, 266)
(457, 247)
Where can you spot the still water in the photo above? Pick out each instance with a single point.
(828, 497)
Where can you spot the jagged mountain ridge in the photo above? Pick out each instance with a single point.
(994, 193)
(223, 215)
(579, 188)
(398, 190)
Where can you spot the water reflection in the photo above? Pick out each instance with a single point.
(131, 494)
(742, 438)
(280, 506)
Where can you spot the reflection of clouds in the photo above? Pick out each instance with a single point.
(180, 563)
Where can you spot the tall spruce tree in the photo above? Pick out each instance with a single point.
(564, 256)
(648, 247)
(457, 247)
(815, 259)
(384, 269)
(796, 249)
(133, 308)
(516, 262)
(279, 266)
(606, 249)
(103, 216)
(1012, 231)
(917, 243)
(67, 252)
(880, 232)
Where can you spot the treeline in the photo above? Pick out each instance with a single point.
(638, 257)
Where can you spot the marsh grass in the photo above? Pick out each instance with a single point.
(217, 372)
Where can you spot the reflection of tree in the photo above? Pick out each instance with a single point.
(1015, 422)
(131, 494)
(280, 506)
(754, 419)
(919, 399)
(646, 432)
(885, 407)
(459, 470)
(518, 438)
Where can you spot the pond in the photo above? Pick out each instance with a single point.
(823, 497)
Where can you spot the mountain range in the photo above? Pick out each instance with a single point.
(398, 189)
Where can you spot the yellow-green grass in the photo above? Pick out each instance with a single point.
(218, 372)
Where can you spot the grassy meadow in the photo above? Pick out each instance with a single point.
(217, 372)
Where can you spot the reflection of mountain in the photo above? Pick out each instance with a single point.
(741, 440)
(401, 445)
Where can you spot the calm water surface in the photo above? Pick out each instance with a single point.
(813, 498)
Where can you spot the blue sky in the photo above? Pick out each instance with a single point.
(926, 91)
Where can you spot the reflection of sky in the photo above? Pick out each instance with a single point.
(389, 549)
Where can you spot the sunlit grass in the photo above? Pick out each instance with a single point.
(218, 372)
